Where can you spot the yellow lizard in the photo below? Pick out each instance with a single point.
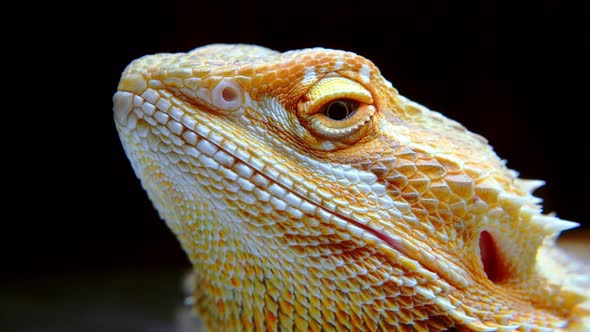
(310, 196)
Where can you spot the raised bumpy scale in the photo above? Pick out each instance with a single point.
(310, 196)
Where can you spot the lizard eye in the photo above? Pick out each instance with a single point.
(337, 107)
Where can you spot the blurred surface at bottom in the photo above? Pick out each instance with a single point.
(130, 300)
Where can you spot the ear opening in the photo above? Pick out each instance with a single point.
(493, 263)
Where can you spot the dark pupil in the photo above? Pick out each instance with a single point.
(338, 110)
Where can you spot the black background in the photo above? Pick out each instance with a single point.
(513, 72)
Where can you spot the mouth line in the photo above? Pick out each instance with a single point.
(200, 131)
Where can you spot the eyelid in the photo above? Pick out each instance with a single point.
(332, 88)
(335, 129)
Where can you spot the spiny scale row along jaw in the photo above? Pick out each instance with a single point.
(301, 185)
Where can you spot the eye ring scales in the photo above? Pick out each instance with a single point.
(336, 107)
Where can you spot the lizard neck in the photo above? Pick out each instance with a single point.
(231, 283)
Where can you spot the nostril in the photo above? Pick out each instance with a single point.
(229, 94)
(492, 261)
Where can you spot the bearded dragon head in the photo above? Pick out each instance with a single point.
(309, 194)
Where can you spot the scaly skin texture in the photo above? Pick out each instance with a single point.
(309, 195)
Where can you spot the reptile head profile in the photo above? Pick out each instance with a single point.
(310, 195)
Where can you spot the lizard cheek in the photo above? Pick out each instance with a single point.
(492, 261)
